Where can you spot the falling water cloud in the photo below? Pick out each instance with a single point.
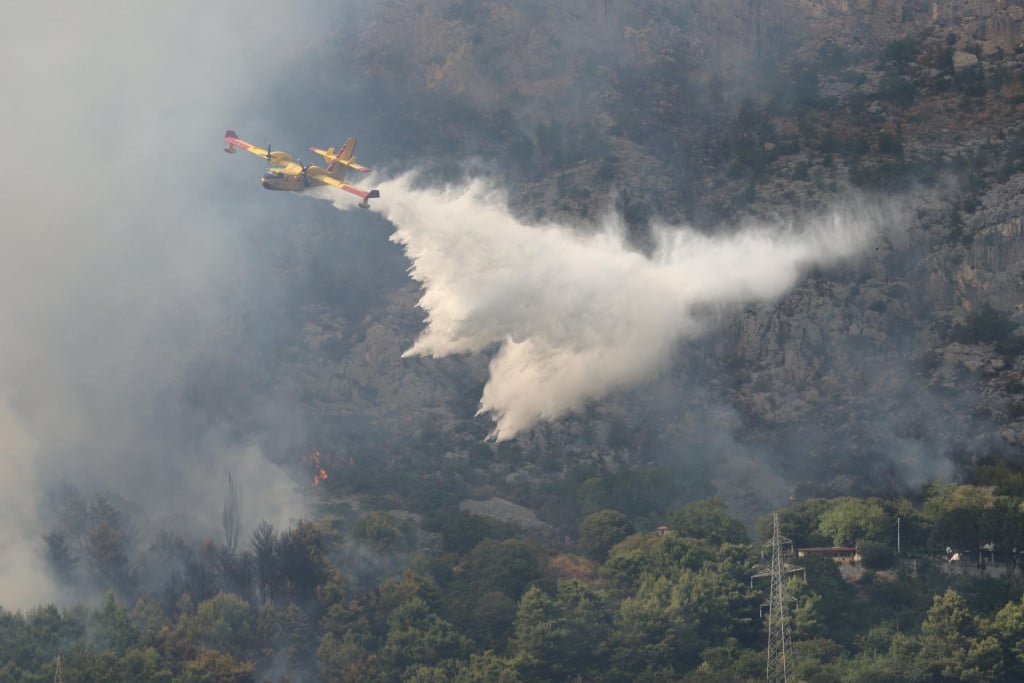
(575, 315)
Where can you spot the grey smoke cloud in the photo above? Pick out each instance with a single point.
(576, 315)
(123, 253)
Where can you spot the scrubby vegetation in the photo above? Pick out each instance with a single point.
(618, 603)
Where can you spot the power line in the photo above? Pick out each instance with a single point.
(780, 665)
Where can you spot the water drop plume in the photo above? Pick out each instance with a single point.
(572, 313)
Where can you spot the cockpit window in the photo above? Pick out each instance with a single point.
(273, 174)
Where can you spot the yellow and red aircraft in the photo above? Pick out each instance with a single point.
(293, 176)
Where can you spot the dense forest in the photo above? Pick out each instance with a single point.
(479, 600)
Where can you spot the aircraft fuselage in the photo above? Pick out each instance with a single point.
(288, 183)
(275, 179)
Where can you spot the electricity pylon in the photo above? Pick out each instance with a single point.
(780, 666)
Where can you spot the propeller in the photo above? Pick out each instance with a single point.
(268, 153)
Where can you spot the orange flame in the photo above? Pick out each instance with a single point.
(319, 473)
(319, 477)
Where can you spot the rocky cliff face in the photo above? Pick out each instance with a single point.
(992, 23)
(495, 51)
(888, 369)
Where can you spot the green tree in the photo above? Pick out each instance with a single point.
(729, 663)
(806, 620)
(265, 560)
(149, 619)
(852, 520)
(602, 530)
(798, 522)
(816, 660)
(486, 667)
(587, 623)
(539, 639)
(1008, 629)
(629, 560)
(875, 555)
(384, 531)
(489, 619)
(708, 519)
(106, 550)
(302, 561)
(958, 528)
(480, 667)
(223, 623)
(114, 627)
(896, 659)
(651, 628)
(416, 635)
(346, 659)
(73, 514)
(232, 518)
(505, 566)
(942, 497)
(836, 613)
(28, 641)
(146, 664)
(210, 666)
(951, 646)
(60, 556)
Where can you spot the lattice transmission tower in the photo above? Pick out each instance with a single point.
(780, 665)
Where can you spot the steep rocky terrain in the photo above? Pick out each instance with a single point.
(877, 375)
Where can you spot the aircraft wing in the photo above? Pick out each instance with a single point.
(355, 166)
(365, 194)
(276, 157)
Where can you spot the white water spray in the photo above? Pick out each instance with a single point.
(575, 316)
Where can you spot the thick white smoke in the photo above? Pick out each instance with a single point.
(122, 254)
(575, 315)
(24, 579)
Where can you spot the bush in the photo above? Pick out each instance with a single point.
(896, 89)
(986, 326)
(874, 555)
(901, 53)
(890, 144)
(385, 531)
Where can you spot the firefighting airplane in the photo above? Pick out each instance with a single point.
(293, 176)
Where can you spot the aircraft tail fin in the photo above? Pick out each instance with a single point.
(340, 161)
(347, 149)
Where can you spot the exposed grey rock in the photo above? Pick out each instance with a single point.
(506, 511)
(964, 60)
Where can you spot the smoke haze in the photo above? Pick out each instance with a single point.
(124, 255)
(573, 315)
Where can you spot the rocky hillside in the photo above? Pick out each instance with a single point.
(882, 374)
